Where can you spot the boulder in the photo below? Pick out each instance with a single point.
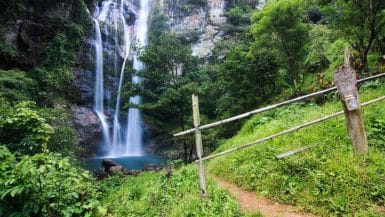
(151, 167)
(115, 170)
(112, 168)
(107, 164)
(88, 128)
(100, 174)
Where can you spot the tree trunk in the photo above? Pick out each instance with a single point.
(191, 152)
(185, 148)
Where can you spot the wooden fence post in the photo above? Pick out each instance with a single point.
(198, 143)
(345, 79)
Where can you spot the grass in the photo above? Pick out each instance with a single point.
(327, 180)
(156, 194)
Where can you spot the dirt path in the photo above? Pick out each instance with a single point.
(249, 201)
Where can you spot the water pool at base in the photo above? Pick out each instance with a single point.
(128, 162)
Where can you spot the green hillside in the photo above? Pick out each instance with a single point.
(328, 179)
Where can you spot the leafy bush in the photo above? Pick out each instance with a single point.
(58, 53)
(235, 15)
(54, 85)
(15, 86)
(316, 60)
(63, 139)
(248, 79)
(238, 16)
(27, 129)
(45, 185)
(23, 130)
(80, 14)
(7, 51)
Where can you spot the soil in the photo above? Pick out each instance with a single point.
(251, 202)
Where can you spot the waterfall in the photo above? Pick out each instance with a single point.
(119, 32)
(261, 4)
(99, 83)
(134, 130)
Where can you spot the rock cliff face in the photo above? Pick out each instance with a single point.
(198, 22)
(25, 32)
(27, 28)
(24, 37)
(88, 128)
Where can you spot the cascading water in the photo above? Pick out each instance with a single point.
(119, 30)
(99, 89)
(134, 131)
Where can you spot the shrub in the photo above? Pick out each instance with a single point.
(15, 86)
(235, 15)
(45, 185)
(152, 194)
(54, 85)
(23, 130)
(63, 139)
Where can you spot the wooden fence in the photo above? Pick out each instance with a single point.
(345, 79)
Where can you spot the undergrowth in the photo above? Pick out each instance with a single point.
(160, 194)
(328, 179)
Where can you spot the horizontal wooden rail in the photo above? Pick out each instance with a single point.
(287, 131)
(271, 107)
(292, 152)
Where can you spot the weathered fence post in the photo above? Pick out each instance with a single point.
(345, 79)
(198, 143)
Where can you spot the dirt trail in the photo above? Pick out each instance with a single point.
(249, 201)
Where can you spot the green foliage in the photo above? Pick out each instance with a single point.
(280, 27)
(328, 179)
(335, 54)
(15, 86)
(247, 79)
(321, 39)
(7, 51)
(23, 130)
(243, 4)
(27, 130)
(54, 84)
(158, 25)
(170, 79)
(237, 16)
(376, 128)
(153, 194)
(80, 14)
(54, 75)
(12, 9)
(45, 185)
(64, 138)
(359, 22)
(58, 52)
(168, 63)
(53, 70)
